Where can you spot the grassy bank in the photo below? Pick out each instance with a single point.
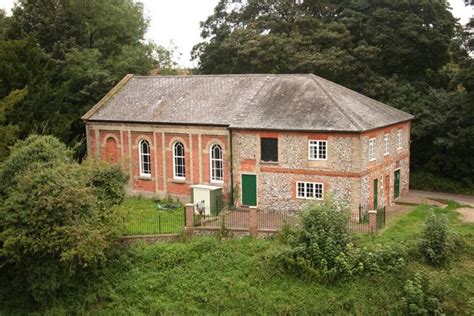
(237, 276)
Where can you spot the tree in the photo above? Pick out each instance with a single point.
(409, 54)
(69, 53)
(56, 216)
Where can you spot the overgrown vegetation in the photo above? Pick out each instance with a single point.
(239, 276)
(434, 244)
(57, 219)
(418, 299)
(320, 247)
(424, 180)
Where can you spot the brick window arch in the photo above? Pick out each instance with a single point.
(145, 158)
(216, 163)
(179, 161)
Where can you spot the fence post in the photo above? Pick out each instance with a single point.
(253, 223)
(373, 221)
(159, 224)
(189, 218)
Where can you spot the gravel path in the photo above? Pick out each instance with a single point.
(467, 214)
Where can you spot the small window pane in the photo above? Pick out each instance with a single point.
(309, 190)
(322, 150)
(318, 191)
(301, 191)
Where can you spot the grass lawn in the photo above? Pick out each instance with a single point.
(143, 217)
(238, 277)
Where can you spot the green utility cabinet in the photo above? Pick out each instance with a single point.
(211, 195)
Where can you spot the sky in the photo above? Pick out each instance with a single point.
(175, 23)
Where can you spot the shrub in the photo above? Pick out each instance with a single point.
(321, 247)
(321, 244)
(52, 225)
(47, 150)
(383, 259)
(434, 244)
(107, 181)
(418, 298)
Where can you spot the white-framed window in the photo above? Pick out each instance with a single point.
(400, 139)
(317, 150)
(309, 190)
(179, 162)
(217, 163)
(372, 149)
(386, 144)
(145, 158)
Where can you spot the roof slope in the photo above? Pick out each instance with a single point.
(282, 102)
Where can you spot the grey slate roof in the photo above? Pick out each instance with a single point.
(281, 102)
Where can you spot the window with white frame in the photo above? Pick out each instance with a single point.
(179, 163)
(400, 139)
(317, 150)
(145, 158)
(386, 144)
(217, 163)
(309, 190)
(372, 149)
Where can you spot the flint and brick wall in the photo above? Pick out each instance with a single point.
(347, 173)
(118, 143)
(384, 167)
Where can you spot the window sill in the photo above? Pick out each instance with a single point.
(270, 163)
(144, 178)
(179, 181)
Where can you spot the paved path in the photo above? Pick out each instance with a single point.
(461, 199)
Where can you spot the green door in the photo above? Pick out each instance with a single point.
(396, 185)
(249, 190)
(376, 193)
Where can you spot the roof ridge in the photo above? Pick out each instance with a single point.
(259, 75)
(107, 97)
(341, 109)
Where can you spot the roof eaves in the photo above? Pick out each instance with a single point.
(107, 97)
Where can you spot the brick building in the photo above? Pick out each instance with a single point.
(270, 141)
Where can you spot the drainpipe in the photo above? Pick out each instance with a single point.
(231, 155)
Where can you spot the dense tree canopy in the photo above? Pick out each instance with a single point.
(410, 54)
(65, 55)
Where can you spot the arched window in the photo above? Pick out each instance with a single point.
(179, 169)
(145, 158)
(217, 163)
